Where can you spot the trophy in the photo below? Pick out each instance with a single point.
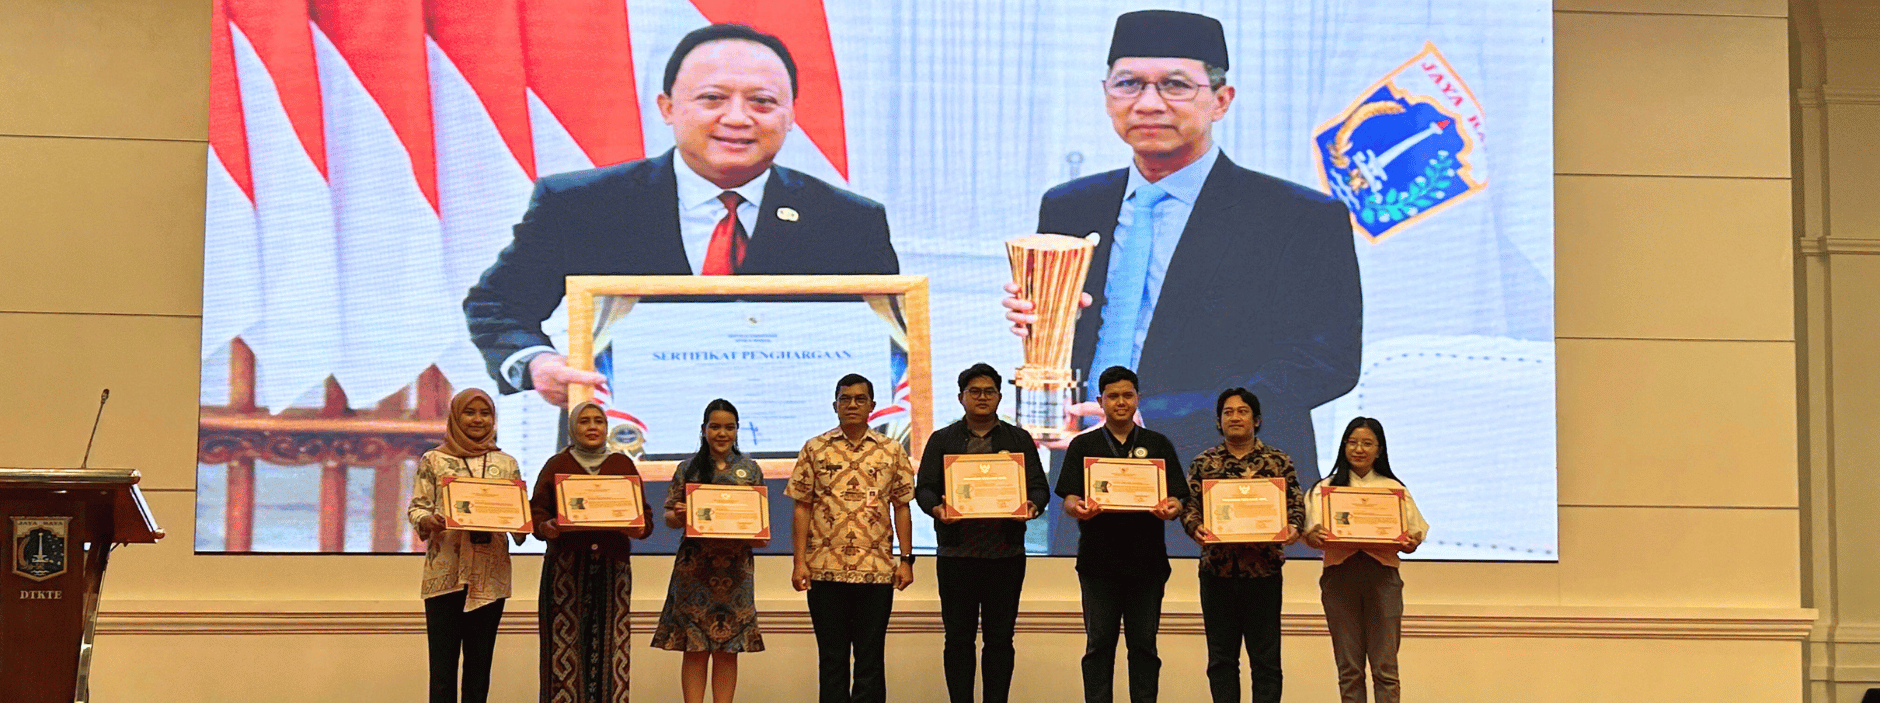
(1049, 270)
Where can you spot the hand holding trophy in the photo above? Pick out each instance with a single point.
(1049, 271)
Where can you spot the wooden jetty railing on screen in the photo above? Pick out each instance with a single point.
(333, 437)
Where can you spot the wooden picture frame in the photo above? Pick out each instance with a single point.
(587, 316)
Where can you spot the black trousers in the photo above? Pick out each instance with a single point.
(979, 597)
(1237, 611)
(851, 617)
(1130, 602)
(451, 632)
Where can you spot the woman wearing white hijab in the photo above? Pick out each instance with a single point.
(587, 580)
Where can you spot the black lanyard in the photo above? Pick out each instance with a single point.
(486, 465)
(1121, 450)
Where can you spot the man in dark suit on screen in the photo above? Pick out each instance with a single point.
(1207, 275)
(713, 205)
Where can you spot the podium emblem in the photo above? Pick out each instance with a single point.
(39, 548)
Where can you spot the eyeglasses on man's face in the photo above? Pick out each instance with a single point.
(1127, 87)
(978, 392)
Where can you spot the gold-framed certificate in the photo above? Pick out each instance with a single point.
(599, 502)
(1362, 516)
(727, 512)
(485, 504)
(1245, 509)
(985, 486)
(1125, 484)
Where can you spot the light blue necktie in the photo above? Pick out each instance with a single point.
(1125, 292)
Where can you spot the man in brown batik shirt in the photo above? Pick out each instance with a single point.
(845, 483)
(1240, 582)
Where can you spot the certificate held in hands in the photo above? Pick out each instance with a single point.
(727, 512)
(985, 486)
(599, 502)
(1362, 517)
(1125, 484)
(1245, 509)
(485, 504)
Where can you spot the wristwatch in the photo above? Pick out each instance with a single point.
(907, 559)
(517, 374)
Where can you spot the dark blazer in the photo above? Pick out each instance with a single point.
(1262, 293)
(624, 220)
(930, 482)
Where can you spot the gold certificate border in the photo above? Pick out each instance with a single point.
(450, 518)
(561, 501)
(1325, 515)
(911, 290)
(1207, 511)
(1161, 483)
(1017, 462)
(763, 499)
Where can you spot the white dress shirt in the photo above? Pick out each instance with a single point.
(700, 209)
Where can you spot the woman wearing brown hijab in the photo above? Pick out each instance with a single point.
(587, 580)
(466, 574)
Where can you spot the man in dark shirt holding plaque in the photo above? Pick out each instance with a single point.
(1240, 582)
(1122, 557)
(980, 565)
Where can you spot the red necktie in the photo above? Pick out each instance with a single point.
(726, 252)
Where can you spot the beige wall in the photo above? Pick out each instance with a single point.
(1677, 429)
(1837, 113)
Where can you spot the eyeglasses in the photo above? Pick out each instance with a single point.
(1129, 87)
(982, 392)
(853, 400)
(1361, 444)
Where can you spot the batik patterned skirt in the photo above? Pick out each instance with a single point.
(711, 604)
(586, 604)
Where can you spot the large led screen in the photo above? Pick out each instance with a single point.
(397, 189)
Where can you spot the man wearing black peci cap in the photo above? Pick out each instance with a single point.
(1208, 275)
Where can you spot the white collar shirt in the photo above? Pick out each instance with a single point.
(700, 210)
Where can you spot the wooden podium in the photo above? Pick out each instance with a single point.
(60, 527)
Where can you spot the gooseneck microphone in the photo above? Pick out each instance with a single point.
(102, 397)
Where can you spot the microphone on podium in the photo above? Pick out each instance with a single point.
(102, 397)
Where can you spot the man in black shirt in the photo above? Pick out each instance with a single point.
(980, 567)
(1122, 557)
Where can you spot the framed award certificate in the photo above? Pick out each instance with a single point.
(1125, 484)
(1362, 516)
(780, 338)
(598, 502)
(485, 504)
(727, 512)
(985, 486)
(1245, 509)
